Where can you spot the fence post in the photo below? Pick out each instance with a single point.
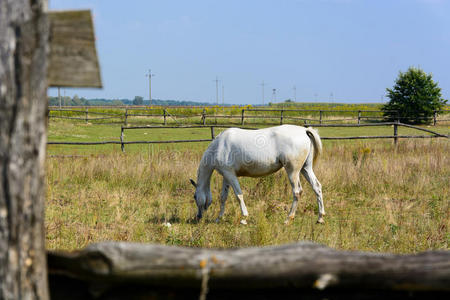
(164, 112)
(320, 117)
(396, 133)
(359, 117)
(212, 133)
(126, 116)
(204, 116)
(281, 117)
(434, 118)
(122, 145)
(87, 112)
(242, 117)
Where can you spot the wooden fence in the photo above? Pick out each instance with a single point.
(277, 116)
(116, 270)
(212, 128)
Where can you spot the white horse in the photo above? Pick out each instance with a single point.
(254, 153)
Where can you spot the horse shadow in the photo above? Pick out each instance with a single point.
(164, 219)
(176, 220)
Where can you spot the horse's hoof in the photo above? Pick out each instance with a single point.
(320, 221)
(289, 220)
(244, 222)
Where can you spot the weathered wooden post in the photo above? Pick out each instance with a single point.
(126, 117)
(396, 132)
(242, 116)
(212, 133)
(204, 116)
(27, 36)
(122, 145)
(359, 117)
(24, 32)
(164, 113)
(320, 117)
(87, 115)
(434, 118)
(281, 117)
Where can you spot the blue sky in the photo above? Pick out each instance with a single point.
(352, 49)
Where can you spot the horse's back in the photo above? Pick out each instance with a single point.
(263, 149)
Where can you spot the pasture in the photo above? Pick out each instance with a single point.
(378, 197)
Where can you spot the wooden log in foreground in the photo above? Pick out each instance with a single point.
(114, 270)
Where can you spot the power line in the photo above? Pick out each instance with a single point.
(150, 75)
(262, 85)
(217, 90)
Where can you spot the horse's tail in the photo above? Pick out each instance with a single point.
(314, 136)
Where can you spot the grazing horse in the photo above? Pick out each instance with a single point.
(255, 153)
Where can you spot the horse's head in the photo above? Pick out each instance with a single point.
(202, 199)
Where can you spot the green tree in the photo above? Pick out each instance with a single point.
(138, 100)
(76, 101)
(116, 102)
(414, 97)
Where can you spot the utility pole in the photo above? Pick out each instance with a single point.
(223, 95)
(295, 93)
(65, 97)
(150, 75)
(274, 95)
(59, 97)
(217, 90)
(262, 85)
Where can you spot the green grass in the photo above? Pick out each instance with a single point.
(343, 113)
(74, 131)
(378, 197)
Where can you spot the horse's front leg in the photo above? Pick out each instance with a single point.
(231, 178)
(223, 198)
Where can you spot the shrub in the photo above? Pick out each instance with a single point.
(414, 97)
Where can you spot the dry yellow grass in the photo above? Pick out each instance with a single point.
(377, 198)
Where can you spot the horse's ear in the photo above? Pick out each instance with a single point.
(193, 183)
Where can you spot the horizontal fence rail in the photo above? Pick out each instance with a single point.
(212, 128)
(116, 270)
(202, 114)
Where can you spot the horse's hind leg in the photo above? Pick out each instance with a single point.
(308, 172)
(223, 198)
(233, 181)
(294, 178)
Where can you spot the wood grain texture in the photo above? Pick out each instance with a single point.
(73, 56)
(23, 107)
(302, 266)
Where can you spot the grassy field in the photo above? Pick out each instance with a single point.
(336, 113)
(378, 197)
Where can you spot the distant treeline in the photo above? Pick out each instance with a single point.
(138, 100)
(77, 101)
